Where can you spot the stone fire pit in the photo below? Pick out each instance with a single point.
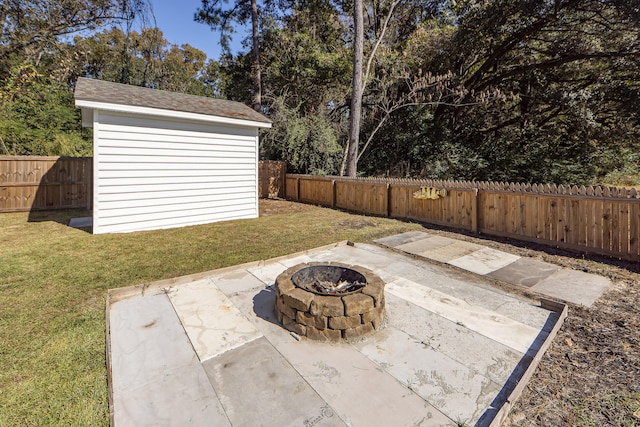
(329, 301)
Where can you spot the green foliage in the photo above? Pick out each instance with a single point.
(532, 93)
(145, 58)
(308, 143)
(37, 116)
(511, 90)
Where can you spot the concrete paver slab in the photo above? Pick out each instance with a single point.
(155, 374)
(484, 355)
(277, 395)
(524, 272)
(456, 390)
(357, 389)
(237, 281)
(290, 262)
(214, 325)
(82, 222)
(472, 289)
(454, 250)
(401, 239)
(574, 286)
(359, 255)
(417, 247)
(268, 271)
(504, 330)
(484, 261)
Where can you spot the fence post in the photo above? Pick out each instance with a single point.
(298, 190)
(333, 193)
(474, 211)
(89, 183)
(388, 200)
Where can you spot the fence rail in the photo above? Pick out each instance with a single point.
(601, 220)
(30, 183)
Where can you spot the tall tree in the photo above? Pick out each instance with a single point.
(356, 89)
(34, 26)
(219, 18)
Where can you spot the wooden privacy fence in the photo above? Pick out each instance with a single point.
(41, 182)
(271, 178)
(597, 220)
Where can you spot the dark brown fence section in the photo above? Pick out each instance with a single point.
(593, 219)
(271, 179)
(30, 183)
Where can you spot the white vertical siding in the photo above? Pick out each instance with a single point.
(153, 173)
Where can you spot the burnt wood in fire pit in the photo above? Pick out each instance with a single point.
(329, 279)
(329, 301)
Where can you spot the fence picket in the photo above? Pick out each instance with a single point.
(634, 229)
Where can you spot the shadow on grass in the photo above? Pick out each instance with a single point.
(62, 192)
(63, 217)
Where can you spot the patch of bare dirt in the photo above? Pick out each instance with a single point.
(278, 206)
(357, 224)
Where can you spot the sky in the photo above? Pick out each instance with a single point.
(175, 19)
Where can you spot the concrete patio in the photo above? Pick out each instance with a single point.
(206, 349)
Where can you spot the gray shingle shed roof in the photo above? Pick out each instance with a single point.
(116, 93)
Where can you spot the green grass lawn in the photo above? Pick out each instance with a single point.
(54, 281)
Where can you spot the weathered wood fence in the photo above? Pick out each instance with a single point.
(271, 178)
(596, 220)
(30, 183)
(41, 182)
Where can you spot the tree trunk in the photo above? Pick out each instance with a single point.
(356, 91)
(257, 82)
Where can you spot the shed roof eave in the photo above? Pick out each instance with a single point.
(121, 108)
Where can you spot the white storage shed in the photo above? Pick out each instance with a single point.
(163, 159)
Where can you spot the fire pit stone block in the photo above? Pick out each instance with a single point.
(294, 326)
(285, 309)
(357, 304)
(375, 316)
(298, 299)
(327, 306)
(323, 334)
(307, 319)
(345, 322)
(359, 331)
(376, 291)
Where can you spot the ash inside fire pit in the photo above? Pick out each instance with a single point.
(329, 280)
